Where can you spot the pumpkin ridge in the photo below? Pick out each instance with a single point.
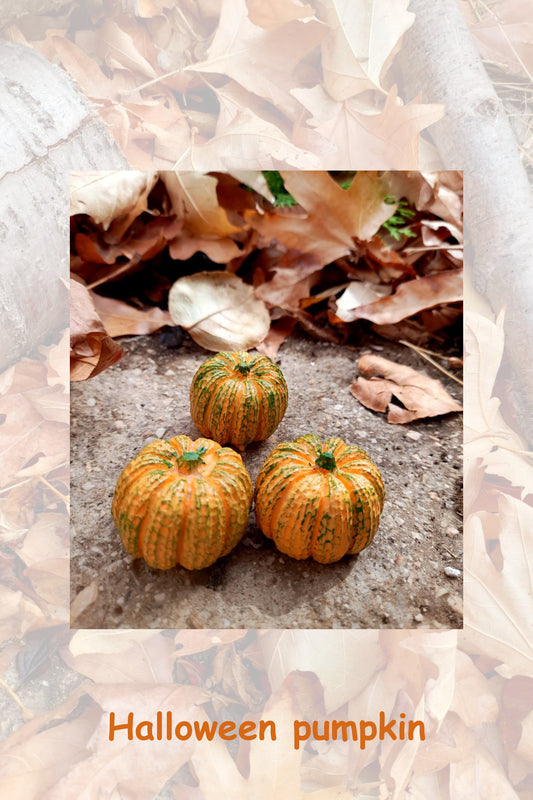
(318, 519)
(279, 500)
(240, 389)
(152, 501)
(227, 514)
(180, 540)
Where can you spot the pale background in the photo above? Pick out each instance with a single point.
(227, 85)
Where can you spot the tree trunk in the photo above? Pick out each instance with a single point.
(46, 129)
(439, 60)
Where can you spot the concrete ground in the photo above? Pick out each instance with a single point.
(398, 582)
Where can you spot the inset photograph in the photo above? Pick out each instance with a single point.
(266, 418)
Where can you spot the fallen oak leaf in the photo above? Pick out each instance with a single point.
(279, 331)
(329, 217)
(361, 39)
(245, 141)
(219, 310)
(419, 395)
(370, 139)
(358, 294)
(410, 298)
(105, 196)
(91, 348)
(121, 319)
(262, 61)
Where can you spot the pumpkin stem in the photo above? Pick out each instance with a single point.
(192, 457)
(326, 460)
(243, 367)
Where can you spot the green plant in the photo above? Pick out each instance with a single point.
(277, 187)
(396, 224)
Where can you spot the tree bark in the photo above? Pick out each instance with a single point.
(46, 129)
(439, 60)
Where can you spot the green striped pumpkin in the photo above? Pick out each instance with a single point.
(238, 398)
(319, 501)
(182, 502)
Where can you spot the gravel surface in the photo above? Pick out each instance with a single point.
(411, 574)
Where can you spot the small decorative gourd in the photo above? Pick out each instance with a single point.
(238, 398)
(319, 501)
(182, 502)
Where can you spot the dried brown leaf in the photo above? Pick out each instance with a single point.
(28, 438)
(504, 35)
(43, 768)
(219, 311)
(361, 38)
(274, 766)
(121, 319)
(410, 298)
(92, 349)
(368, 138)
(279, 331)
(106, 196)
(124, 43)
(499, 600)
(285, 651)
(262, 61)
(356, 295)
(194, 200)
(419, 395)
(473, 700)
(233, 675)
(206, 226)
(109, 657)
(490, 445)
(334, 216)
(294, 275)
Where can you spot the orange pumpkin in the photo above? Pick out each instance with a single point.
(182, 502)
(238, 398)
(319, 501)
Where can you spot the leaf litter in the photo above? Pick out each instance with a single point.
(325, 251)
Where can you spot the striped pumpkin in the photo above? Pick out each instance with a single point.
(238, 398)
(182, 502)
(319, 501)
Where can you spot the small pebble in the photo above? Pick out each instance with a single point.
(451, 531)
(451, 572)
(160, 432)
(91, 401)
(414, 435)
(418, 618)
(159, 597)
